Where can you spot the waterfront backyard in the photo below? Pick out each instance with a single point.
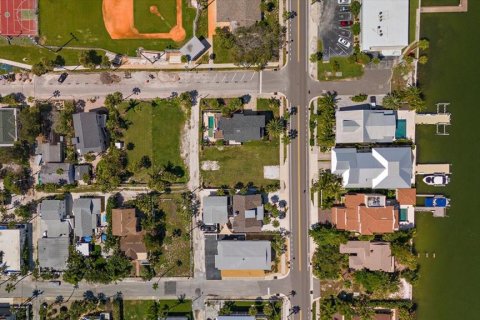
(449, 282)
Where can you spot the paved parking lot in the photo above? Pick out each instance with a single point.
(330, 30)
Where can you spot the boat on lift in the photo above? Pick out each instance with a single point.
(437, 179)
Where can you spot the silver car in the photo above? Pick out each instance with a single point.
(344, 42)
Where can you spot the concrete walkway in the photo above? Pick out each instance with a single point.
(462, 7)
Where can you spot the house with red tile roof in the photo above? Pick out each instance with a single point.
(366, 214)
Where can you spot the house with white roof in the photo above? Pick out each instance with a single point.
(365, 125)
(384, 25)
(377, 168)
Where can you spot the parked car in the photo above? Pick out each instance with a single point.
(373, 101)
(55, 283)
(344, 8)
(208, 228)
(62, 77)
(346, 23)
(344, 42)
(293, 110)
(344, 1)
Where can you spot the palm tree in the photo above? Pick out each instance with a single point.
(423, 59)
(423, 44)
(392, 101)
(328, 100)
(275, 128)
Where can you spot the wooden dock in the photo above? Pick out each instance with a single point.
(431, 168)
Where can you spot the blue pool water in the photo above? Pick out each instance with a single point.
(401, 130)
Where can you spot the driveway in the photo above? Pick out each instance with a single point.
(330, 30)
(212, 273)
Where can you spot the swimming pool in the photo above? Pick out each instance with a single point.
(211, 124)
(403, 214)
(401, 130)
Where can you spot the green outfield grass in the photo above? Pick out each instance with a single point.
(59, 18)
(147, 22)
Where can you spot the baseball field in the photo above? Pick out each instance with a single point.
(120, 26)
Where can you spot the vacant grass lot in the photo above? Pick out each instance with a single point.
(222, 55)
(243, 163)
(147, 22)
(59, 18)
(154, 131)
(176, 245)
(347, 68)
(139, 309)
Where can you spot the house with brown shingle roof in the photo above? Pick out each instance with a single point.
(366, 214)
(368, 255)
(125, 224)
(248, 213)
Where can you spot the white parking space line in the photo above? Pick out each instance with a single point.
(224, 77)
(253, 75)
(234, 75)
(243, 76)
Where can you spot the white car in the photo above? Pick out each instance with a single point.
(344, 1)
(344, 42)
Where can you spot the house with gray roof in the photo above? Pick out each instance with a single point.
(53, 253)
(87, 215)
(378, 168)
(50, 152)
(90, 132)
(237, 13)
(194, 48)
(52, 209)
(8, 126)
(215, 210)
(80, 170)
(58, 173)
(243, 255)
(53, 218)
(368, 255)
(242, 127)
(364, 125)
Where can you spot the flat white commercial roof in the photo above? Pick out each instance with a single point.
(384, 26)
(11, 244)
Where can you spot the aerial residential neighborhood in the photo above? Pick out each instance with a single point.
(238, 159)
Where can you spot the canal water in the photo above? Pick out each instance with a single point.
(450, 283)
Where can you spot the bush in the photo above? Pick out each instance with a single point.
(359, 97)
(356, 28)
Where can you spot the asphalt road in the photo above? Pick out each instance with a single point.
(295, 82)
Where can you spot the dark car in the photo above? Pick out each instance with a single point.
(346, 23)
(344, 8)
(293, 110)
(208, 228)
(373, 101)
(62, 77)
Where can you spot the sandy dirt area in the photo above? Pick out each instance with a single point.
(120, 24)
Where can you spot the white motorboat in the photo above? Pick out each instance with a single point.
(437, 179)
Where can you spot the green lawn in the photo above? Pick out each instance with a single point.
(59, 18)
(264, 105)
(427, 3)
(412, 20)
(175, 247)
(155, 132)
(202, 26)
(241, 163)
(147, 22)
(222, 55)
(139, 309)
(348, 69)
(23, 51)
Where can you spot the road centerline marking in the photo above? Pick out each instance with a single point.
(299, 198)
(298, 30)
